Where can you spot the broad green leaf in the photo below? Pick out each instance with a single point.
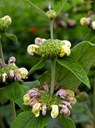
(32, 84)
(75, 68)
(38, 66)
(83, 53)
(67, 122)
(15, 92)
(12, 37)
(37, 9)
(59, 6)
(28, 120)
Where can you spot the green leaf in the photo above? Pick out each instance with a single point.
(12, 37)
(37, 9)
(15, 92)
(28, 120)
(59, 6)
(83, 53)
(32, 84)
(67, 122)
(75, 68)
(38, 66)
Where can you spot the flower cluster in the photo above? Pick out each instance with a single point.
(42, 101)
(5, 23)
(10, 71)
(49, 48)
(89, 21)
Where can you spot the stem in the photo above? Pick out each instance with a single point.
(13, 110)
(1, 54)
(53, 75)
(51, 30)
(1, 123)
(94, 103)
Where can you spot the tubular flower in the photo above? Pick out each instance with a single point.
(65, 50)
(39, 41)
(7, 20)
(36, 109)
(55, 111)
(93, 25)
(26, 99)
(4, 76)
(32, 49)
(44, 108)
(67, 43)
(23, 72)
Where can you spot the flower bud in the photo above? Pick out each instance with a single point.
(26, 99)
(51, 14)
(55, 111)
(65, 110)
(23, 72)
(32, 49)
(36, 109)
(93, 25)
(70, 93)
(7, 20)
(12, 61)
(72, 100)
(17, 76)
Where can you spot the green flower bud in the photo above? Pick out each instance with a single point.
(51, 14)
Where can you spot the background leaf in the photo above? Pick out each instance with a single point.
(75, 68)
(37, 9)
(59, 6)
(28, 120)
(12, 37)
(15, 92)
(67, 122)
(38, 66)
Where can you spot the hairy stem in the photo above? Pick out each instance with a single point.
(1, 53)
(53, 66)
(13, 109)
(51, 30)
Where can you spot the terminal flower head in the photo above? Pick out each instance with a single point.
(55, 111)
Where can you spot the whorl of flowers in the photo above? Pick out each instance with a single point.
(41, 101)
(5, 23)
(49, 48)
(10, 72)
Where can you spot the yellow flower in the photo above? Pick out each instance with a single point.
(93, 25)
(23, 72)
(66, 42)
(55, 111)
(83, 21)
(65, 50)
(26, 99)
(32, 49)
(36, 109)
(70, 93)
(7, 20)
(73, 100)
